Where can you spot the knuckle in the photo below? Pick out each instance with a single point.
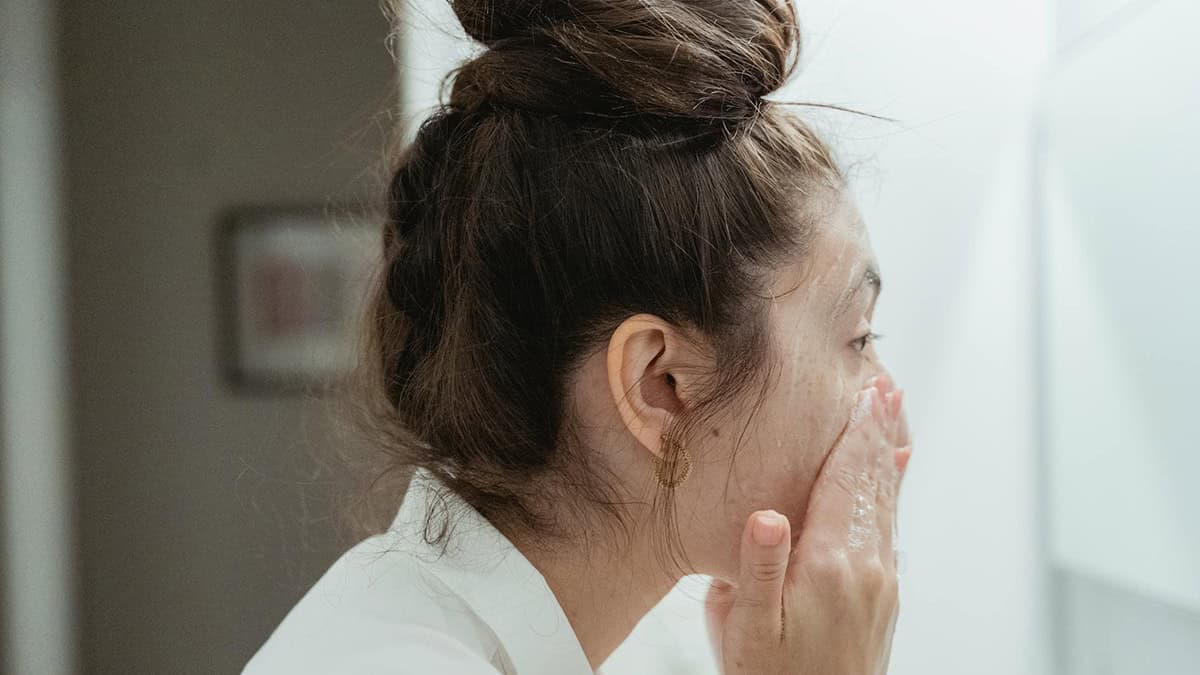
(766, 571)
(832, 569)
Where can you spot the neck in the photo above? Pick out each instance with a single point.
(603, 593)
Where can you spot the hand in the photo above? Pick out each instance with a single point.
(829, 606)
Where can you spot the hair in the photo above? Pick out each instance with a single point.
(600, 158)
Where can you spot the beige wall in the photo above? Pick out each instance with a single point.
(199, 518)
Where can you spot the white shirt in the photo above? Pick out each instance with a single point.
(390, 605)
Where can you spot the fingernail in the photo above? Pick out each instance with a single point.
(768, 529)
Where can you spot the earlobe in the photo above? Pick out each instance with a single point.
(640, 353)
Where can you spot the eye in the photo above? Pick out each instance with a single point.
(861, 342)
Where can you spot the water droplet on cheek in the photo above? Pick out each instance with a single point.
(862, 507)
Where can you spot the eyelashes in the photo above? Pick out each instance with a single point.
(863, 340)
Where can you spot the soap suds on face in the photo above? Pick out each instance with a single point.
(863, 529)
(863, 409)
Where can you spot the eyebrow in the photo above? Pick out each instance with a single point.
(870, 278)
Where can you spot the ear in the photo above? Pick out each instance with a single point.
(650, 374)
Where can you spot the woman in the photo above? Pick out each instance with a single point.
(621, 334)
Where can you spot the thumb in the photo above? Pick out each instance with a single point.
(766, 551)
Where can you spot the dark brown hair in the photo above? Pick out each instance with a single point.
(600, 158)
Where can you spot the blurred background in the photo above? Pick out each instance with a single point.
(185, 189)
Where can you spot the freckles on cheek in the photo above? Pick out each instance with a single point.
(826, 390)
(799, 416)
(830, 410)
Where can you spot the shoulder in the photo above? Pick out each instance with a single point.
(408, 649)
(378, 609)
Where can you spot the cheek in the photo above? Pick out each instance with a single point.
(813, 407)
(797, 428)
(779, 459)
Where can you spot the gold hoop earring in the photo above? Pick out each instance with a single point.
(665, 470)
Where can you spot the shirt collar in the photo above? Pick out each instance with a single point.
(496, 581)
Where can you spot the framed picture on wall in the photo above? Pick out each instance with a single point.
(292, 285)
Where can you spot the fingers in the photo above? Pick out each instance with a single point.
(903, 437)
(889, 486)
(883, 382)
(899, 435)
(894, 403)
(889, 496)
(897, 429)
(766, 551)
(902, 457)
(843, 497)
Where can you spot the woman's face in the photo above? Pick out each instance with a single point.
(821, 311)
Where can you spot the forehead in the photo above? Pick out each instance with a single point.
(840, 252)
(844, 235)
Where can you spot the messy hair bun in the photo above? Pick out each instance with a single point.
(709, 60)
(590, 164)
